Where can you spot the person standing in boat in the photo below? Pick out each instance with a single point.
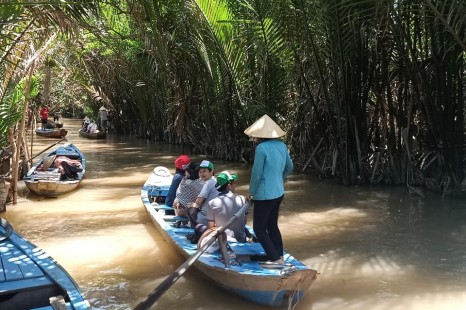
(222, 208)
(102, 118)
(57, 116)
(44, 116)
(181, 162)
(272, 164)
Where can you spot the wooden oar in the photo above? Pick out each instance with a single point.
(64, 138)
(170, 280)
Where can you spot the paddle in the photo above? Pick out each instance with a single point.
(64, 138)
(170, 280)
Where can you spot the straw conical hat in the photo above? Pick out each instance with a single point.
(48, 161)
(102, 108)
(264, 127)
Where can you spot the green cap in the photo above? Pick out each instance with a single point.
(207, 164)
(224, 177)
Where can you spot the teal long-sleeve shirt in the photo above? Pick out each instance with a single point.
(272, 163)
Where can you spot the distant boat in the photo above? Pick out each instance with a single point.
(49, 182)
(246, 277)
(92, 135)
(31, 279)
(51, 133)
(57, 124)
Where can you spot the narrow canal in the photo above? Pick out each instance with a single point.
(374, 248)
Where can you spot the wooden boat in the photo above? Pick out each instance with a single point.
(92, 135)
(51, 133)
(57, 124)
(31, 279)
(248, 279)
(49, 182)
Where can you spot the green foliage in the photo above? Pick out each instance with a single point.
(12, 108)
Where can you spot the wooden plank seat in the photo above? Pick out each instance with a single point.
(21, 280)
(174, 218)
(162, 207)
(47, 176)
(251, 249)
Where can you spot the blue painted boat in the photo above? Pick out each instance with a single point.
(246, 276)
(31, 279)
(50, 182)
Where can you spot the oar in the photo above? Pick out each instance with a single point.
(170, 280)
(64, 138)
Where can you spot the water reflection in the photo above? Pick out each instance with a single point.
(374, 248)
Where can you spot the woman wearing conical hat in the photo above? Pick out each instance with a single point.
(272, 163)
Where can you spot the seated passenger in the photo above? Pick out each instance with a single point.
(92, 128)
(197, 212)
(222, 208)
(86, 122)
(180, 163)
(188, 190)
(67, 167)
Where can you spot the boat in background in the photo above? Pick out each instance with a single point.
(31, 279)
(49, 182)
(92, 135)
(51, 133)
(245, 275)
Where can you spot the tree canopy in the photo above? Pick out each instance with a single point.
(369, 91)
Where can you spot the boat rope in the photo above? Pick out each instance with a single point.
(292, 305)
(7, 227)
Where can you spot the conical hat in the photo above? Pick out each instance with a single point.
(102, 108)
(264, 127)
(48, 161)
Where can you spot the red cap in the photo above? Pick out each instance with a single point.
(181, 161)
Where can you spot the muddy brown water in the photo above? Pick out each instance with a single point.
(374, 248)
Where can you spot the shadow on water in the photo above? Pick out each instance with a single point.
(374, 248)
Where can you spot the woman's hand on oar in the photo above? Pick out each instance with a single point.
(170, 280)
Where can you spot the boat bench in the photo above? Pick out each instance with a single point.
(252, 249)
(46, 176)
(162, 207)
(175, 218)
(18, 272)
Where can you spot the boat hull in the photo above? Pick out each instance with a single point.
(52, 133)
(30, 278)
(49, 183)
(92, 135)
(51, 188)
(249, 280)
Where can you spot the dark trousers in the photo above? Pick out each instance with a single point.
(265, 224)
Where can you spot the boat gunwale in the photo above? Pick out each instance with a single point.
(274, 281)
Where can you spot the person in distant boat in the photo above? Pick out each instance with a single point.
(272, 164)
(222, 208)
(85, 123)
(181, 162)
(44, 116)
(197, 211)
(67, 167)
(102, 119)
(188, 190)
(56, 116)
(92, 127)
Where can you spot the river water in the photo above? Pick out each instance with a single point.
(374, 248)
